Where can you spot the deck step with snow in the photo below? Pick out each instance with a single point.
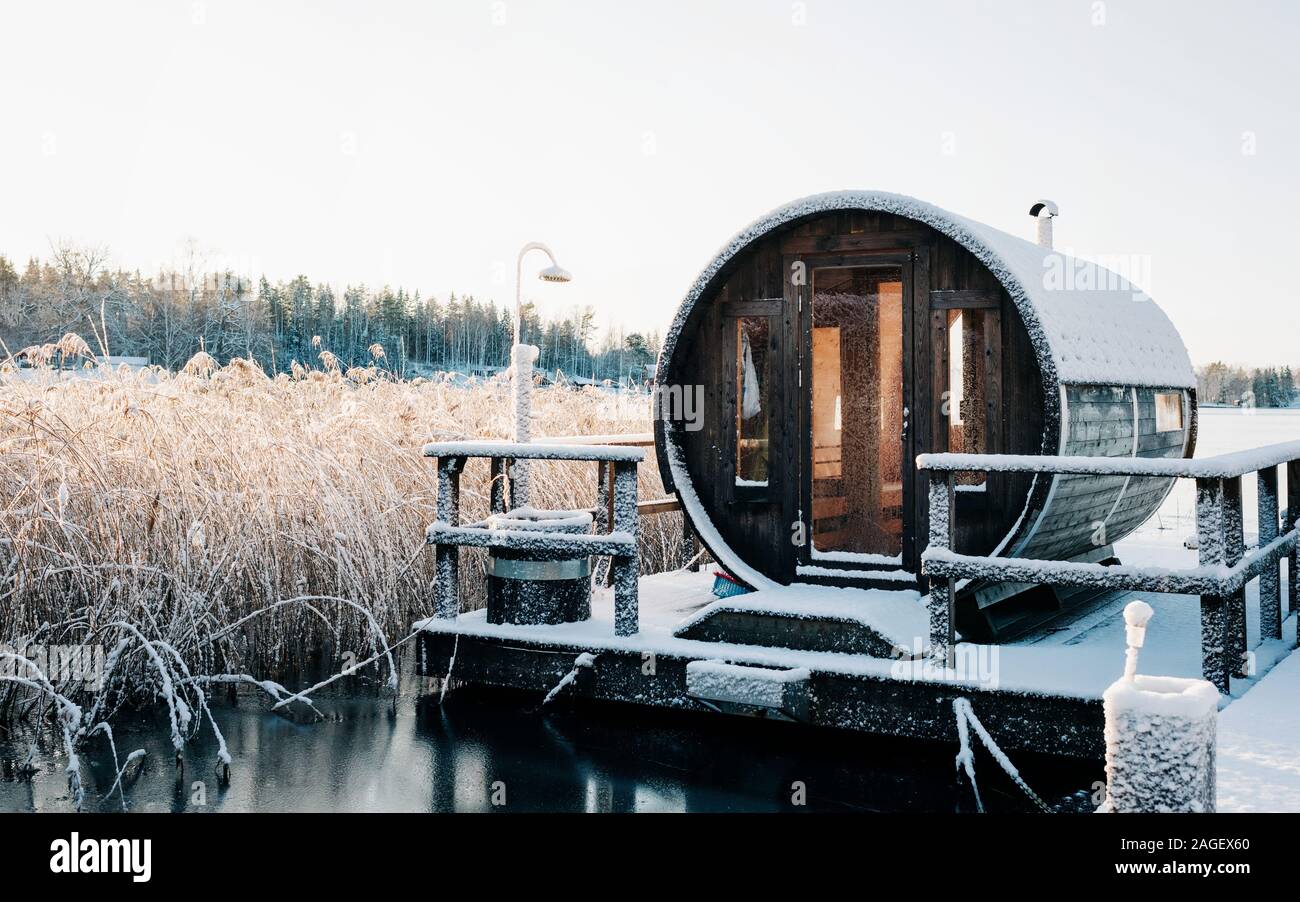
(875, 623)
(737, 688)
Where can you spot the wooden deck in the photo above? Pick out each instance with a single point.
(889, 696)
(895, 665)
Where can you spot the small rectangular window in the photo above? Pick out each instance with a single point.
(1169, 411)
(753, 410)
(967, 389)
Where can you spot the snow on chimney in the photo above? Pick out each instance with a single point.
(1045, 211)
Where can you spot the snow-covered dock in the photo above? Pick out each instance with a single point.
(1023, 696)
(865, 658)
(1079, 659)
(1030, 685)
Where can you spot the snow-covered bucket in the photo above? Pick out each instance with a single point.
(539, 587)
(1160, 744)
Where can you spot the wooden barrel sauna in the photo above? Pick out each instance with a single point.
(832, 341)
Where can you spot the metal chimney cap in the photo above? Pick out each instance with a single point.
(1048, 205)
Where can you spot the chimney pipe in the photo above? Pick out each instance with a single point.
(1045, 211)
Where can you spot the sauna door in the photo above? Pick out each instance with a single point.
(856, 483)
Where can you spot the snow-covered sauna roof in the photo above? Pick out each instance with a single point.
(1102, 331)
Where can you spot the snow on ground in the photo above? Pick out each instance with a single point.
(1259, 745)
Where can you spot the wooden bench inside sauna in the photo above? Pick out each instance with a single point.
(843, 335)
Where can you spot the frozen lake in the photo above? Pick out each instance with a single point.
(1222, 430)
(366, 757)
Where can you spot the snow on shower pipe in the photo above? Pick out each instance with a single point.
(1044, 211)
(522, 357)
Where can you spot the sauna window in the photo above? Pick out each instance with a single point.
(753, 408)
(967, 397)
(1169, 411)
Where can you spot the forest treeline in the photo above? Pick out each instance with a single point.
(1221, 383)
(169, 316)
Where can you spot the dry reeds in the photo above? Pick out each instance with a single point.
(183, 503)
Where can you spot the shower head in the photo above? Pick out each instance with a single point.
(555, 273)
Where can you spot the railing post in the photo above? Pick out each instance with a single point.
(1292, 519)
(609, 517)
(626, 568)
(447, 557)
(942, 591)
(1235, 549)
(1270, 595)
(496, 486)
(603, 518)
(603, 509)
(1211, 552)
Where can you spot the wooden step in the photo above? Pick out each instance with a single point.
(742, 688)
(776, 629)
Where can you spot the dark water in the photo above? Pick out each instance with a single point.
(484, 744)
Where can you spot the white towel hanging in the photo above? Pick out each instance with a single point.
(750, 405)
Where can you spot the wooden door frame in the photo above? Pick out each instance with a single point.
(913, 263)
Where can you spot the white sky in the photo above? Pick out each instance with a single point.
(421, 144)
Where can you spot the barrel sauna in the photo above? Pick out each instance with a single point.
(832, 341)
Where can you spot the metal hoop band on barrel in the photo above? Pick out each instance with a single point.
(507, 568)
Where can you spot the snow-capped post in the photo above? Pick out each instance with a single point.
(522, 357)
(1292, 521)
(446, 557)
(1215, 665)
(1159, 735)
(604, 514)
(1234, 534)
(1221, 543)
(1270, 592)
(942, 590)
(496, 486)
(627, 568)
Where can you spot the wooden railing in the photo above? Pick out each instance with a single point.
(690, 541)
(1224, 566)
(616, 516)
